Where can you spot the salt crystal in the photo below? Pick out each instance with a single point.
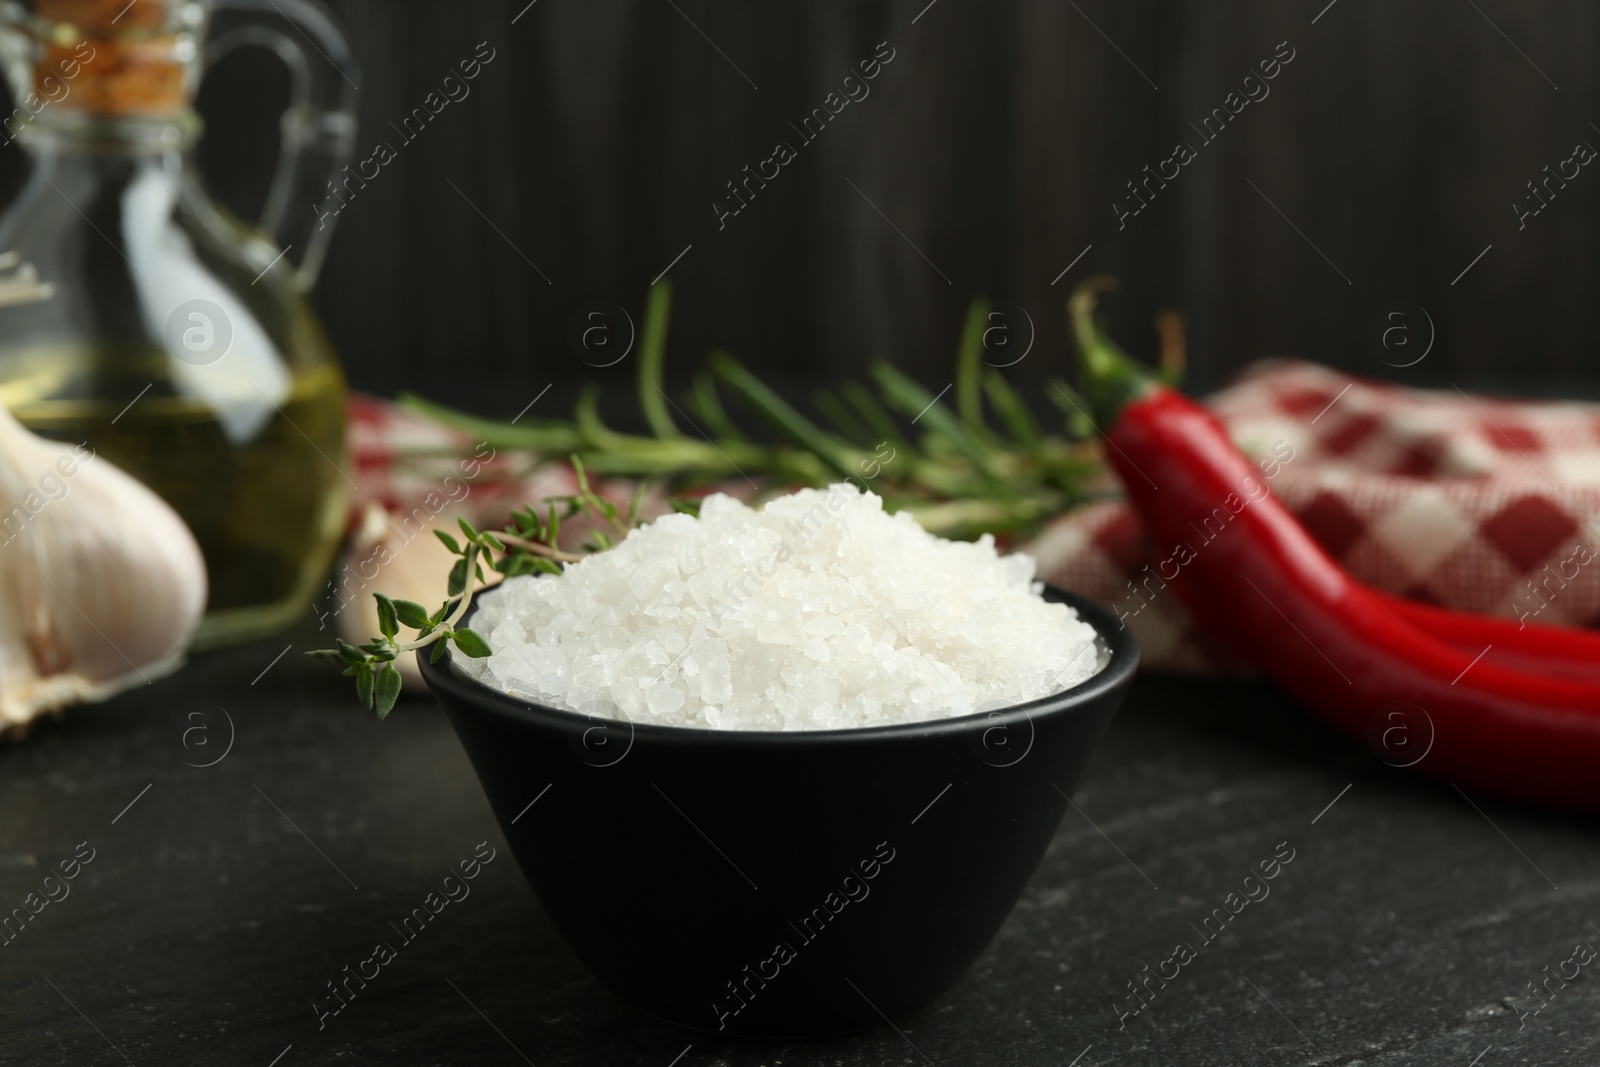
(664, 699)
(818, 611)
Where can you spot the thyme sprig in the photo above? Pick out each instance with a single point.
(528, 544)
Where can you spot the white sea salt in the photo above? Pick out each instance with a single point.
(818, 611)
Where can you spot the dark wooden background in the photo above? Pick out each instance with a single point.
(995, 143)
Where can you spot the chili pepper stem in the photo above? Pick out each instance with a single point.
(1110, 378)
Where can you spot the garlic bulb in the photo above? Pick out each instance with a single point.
(101, 583)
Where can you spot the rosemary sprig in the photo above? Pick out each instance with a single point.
(982, 464)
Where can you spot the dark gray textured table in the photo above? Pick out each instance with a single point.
(216, 907)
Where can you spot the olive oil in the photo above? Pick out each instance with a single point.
(259, 479)
(174, 339)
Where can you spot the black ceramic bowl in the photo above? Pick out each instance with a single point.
(783, 884)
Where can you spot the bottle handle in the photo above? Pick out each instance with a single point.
(318, 130)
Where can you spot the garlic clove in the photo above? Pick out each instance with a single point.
(406, 562)
(101, 583)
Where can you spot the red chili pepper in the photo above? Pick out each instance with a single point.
(1253, 575)
(1558, 651)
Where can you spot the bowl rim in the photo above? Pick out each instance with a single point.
(444, 681)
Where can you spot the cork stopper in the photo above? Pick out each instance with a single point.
(112, 57)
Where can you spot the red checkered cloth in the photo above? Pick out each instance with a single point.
(423, 473)
(1490, 506)
(403, 461)
(1484, 505)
